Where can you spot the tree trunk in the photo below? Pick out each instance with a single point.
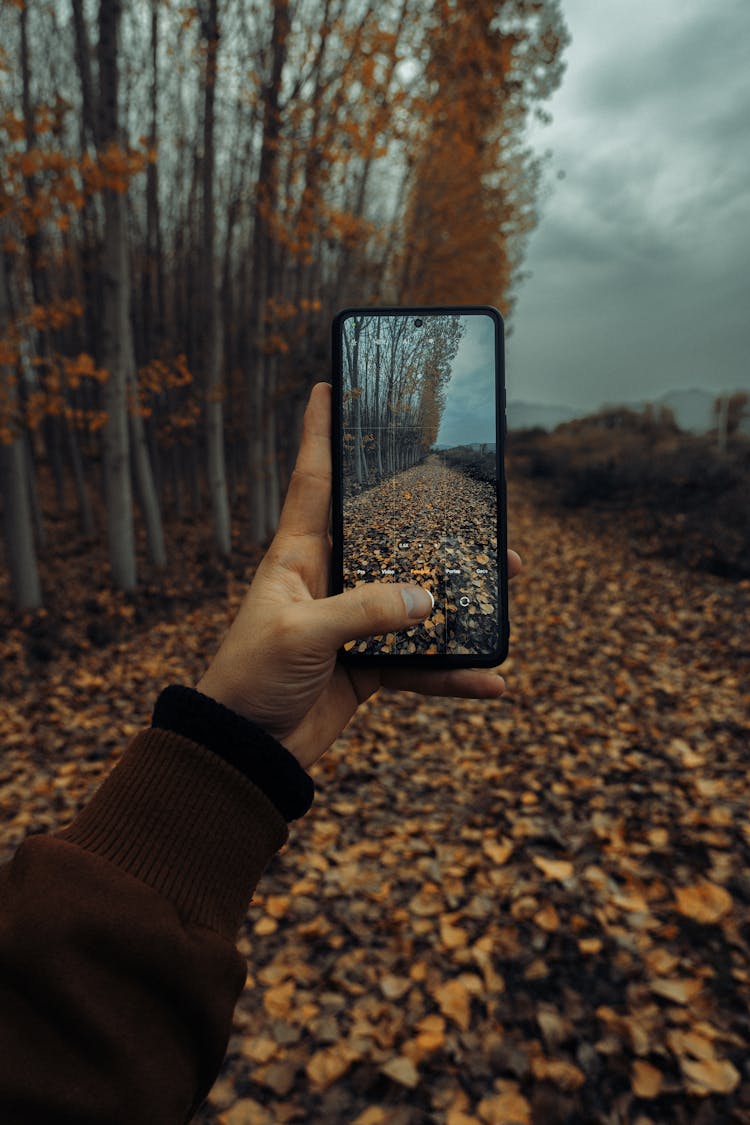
(85, 511)
(261, 494)
(215, 456)
(18, 527)
(722, 419)
(40, 531)
(153, 287)
(115, 327)
(14, 486)
(146, 489)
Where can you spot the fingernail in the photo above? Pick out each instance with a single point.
(418, 602)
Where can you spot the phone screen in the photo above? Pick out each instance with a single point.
(419, 497)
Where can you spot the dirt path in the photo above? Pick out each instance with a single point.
(430, 524)
(531, 910)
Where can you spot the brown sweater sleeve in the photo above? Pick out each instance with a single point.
(118, 970)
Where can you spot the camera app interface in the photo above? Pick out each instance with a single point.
(420, 472)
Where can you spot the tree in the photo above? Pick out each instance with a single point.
(14, 481)
(729, 411)
(189, 208)
(217, 483)
(115, 327)
(471, 184)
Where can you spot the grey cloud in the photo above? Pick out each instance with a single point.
(640, 265)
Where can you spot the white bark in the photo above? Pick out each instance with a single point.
(116, 339)
(216, 460)
(115, 326)
(146, 488)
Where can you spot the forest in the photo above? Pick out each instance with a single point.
(189, 191)
(395, 373)
(530, 911)
(408, 510)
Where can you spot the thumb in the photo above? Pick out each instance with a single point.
(369, 610)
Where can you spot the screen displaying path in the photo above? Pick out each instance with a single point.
(429, 525)
(420, 472)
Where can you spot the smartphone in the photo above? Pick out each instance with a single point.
(418, 430)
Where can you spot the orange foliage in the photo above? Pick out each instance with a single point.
(472, 189)
(82, 367)
(55, 315)
(275, 344)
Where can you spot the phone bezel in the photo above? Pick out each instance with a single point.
(421, 660)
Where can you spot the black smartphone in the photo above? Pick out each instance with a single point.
(418, 430)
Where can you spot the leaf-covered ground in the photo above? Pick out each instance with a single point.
(429, 524)
(532, 910)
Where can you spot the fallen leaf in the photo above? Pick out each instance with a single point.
(710, 1076)
(329, 1064)
(458, 1117)
(452, 937)
(277, 905)
(507, 1108)
(690, 1043)
(403, 1071)
(260, 1048)
(246, 1111)
(373, 1115)
(265, 926)
(661, 962)
(564, 1074)
(645, 1079)
(703, 902)
(278, 1001)
(680, 991)
(547, 918)
(554, 868)
(393, 987)
(453, 1001)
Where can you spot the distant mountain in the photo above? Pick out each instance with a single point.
(693, 411)
(529, 415)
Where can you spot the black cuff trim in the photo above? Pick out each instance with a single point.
(242, 743)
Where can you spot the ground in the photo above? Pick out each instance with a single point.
(530, 910)
(429, 524)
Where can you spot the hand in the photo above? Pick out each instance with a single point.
(277, 664)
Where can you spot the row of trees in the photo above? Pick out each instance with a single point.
(187, 192)
(396, 370)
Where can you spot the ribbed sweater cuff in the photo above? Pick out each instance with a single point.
(242, 743)
(185, 822)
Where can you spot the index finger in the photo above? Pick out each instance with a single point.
(308, 498)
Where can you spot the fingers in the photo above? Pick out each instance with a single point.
(375, 608)
(461, 683)
(308, 498)
(367, 611)
(514, 564)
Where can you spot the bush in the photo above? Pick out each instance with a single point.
(678, 487)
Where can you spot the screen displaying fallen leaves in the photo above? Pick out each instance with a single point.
(420, 472)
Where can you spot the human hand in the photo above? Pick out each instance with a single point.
(277, 664)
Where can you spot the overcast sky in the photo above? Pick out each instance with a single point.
(641, 262)
(468, 416)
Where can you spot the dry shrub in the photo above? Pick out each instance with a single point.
(682, 494)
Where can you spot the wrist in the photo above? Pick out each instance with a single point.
(240, 741)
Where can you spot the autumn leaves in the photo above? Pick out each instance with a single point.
(429, 524)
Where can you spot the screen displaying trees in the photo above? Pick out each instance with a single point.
(420, 470)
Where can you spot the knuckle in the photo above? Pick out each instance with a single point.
(375, 610)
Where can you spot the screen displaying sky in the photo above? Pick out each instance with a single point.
(640, 266)
(469, 414)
